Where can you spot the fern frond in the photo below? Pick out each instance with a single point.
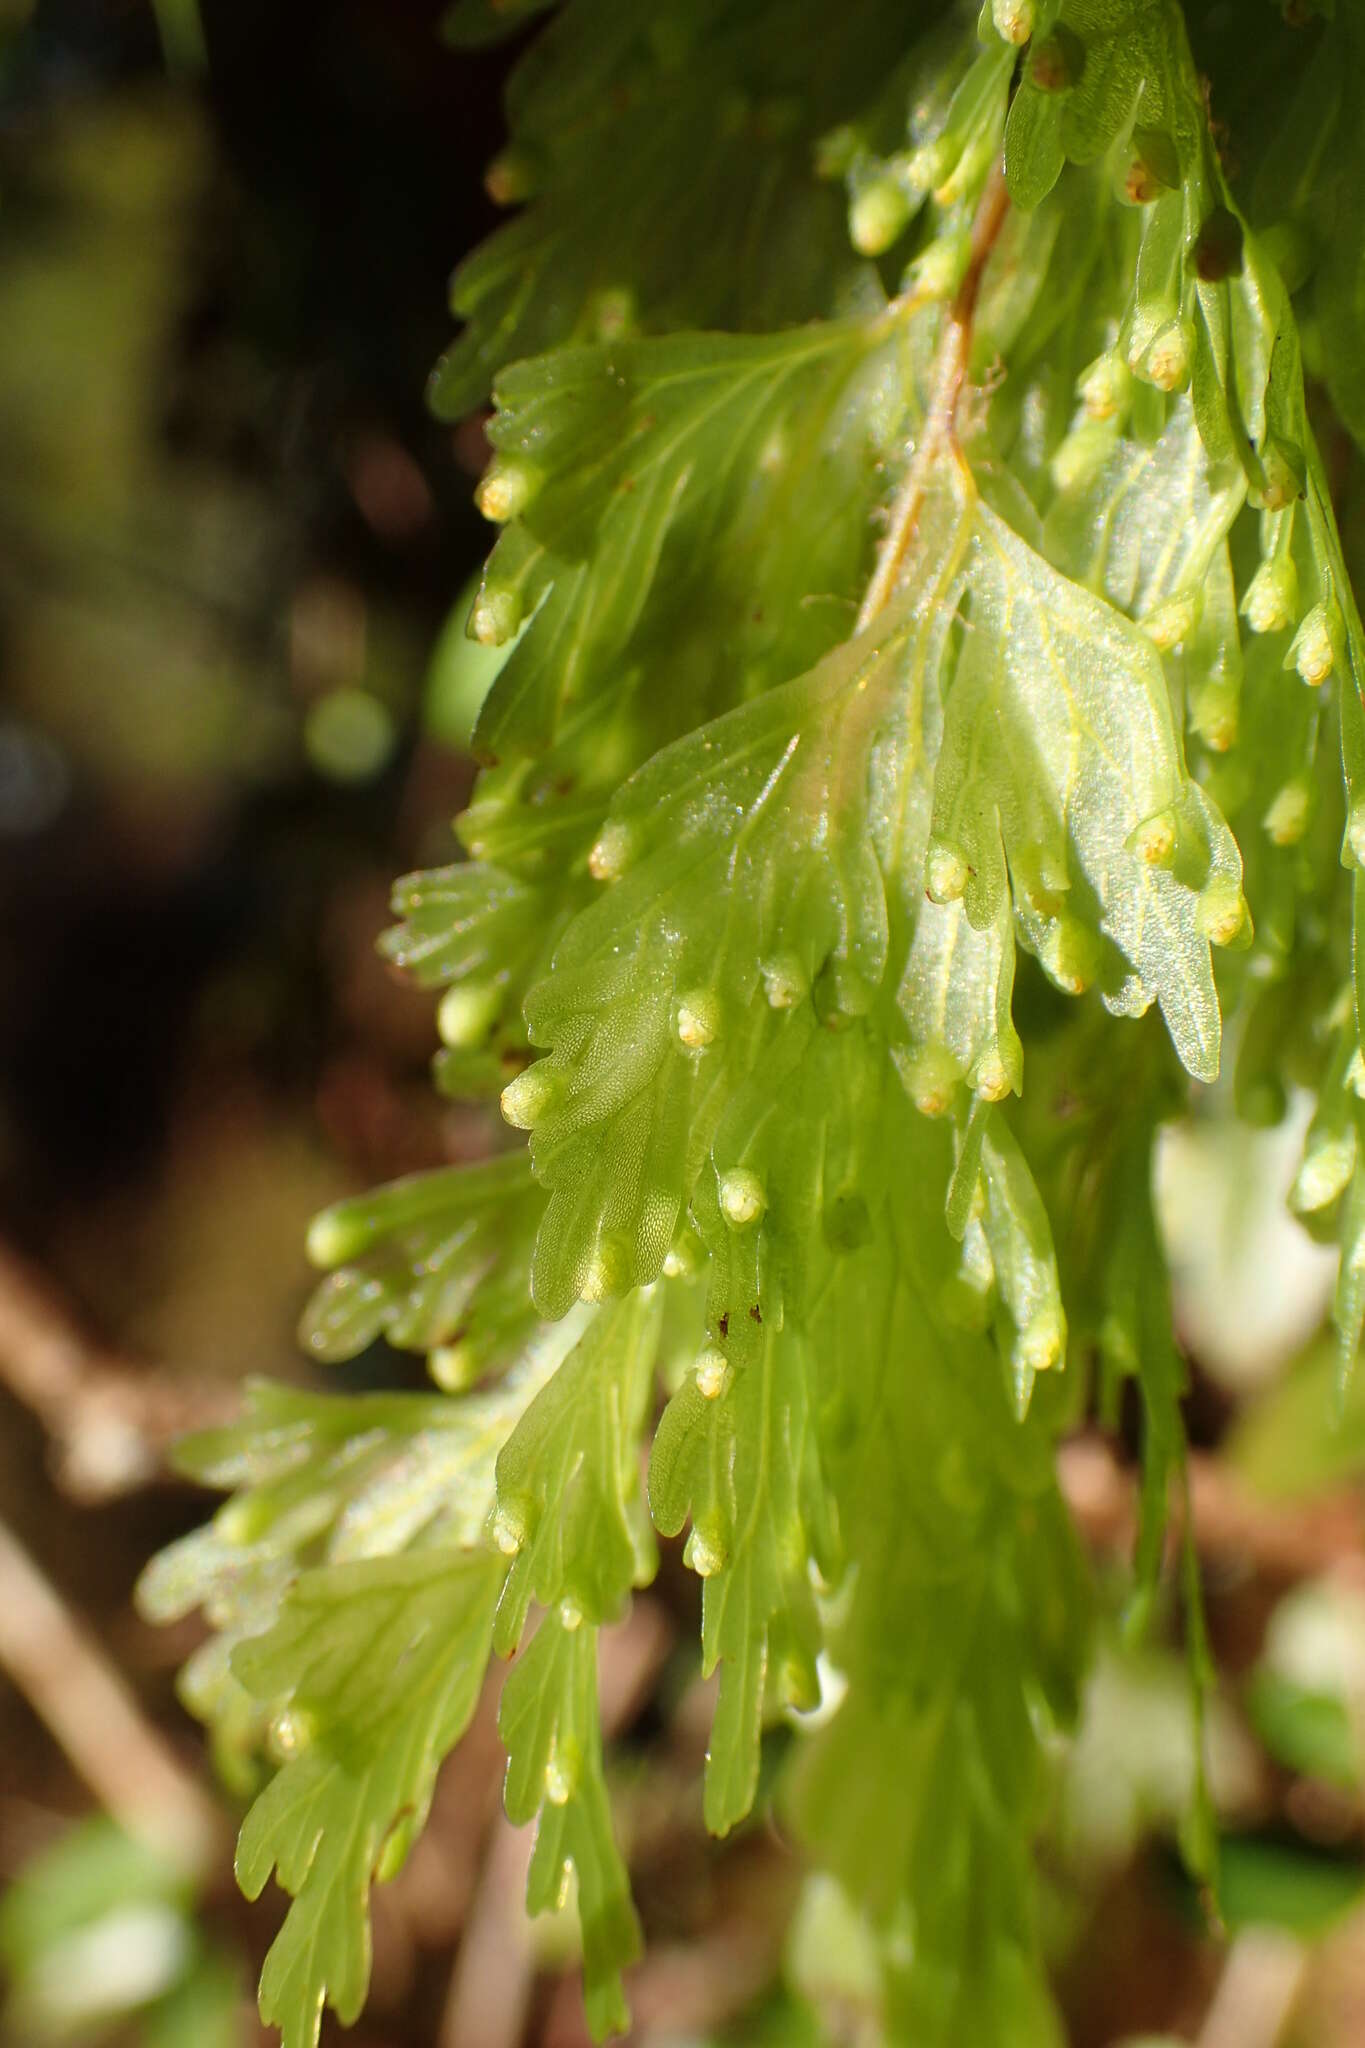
(374, 1669)
(929, 647)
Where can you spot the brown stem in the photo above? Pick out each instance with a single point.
(1257, 1992)
(939, 428)
(109, 1423)
(87, 1707)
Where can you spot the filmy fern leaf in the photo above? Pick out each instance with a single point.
(549, 1722)
(568, 1478)
(929, 647)
(377, 1666)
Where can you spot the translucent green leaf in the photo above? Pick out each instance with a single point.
(568, 1477)
(1132, 49)
(835, 662)
(1034, 152)
(341, 1477)
(652, 1015)
(680, 479)
(549, 1722)
(951, 1733)
(1018, 1236)
(734, 1452)
(1146, 527)
(1058, 748)
(460, 920)
(323, 1479)
(379, 1666)
(426, 1260)
(1138, 1336)
(606, 106)
(955, 998)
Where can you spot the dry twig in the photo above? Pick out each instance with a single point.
(109, 1423)
(937, 431)
(1257, 1991)
(89, 1710)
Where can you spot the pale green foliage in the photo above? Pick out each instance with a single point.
(611, 102)
(928, 648)
(568, 1477)
(321, 1480)
(460, 921)
(549, 1722)
(992, 1192)
(742, 1464)
(641, 446)
(570, 1509)
(376, 1667)
(426, 1259)
(726, 816)
(1059, 743)
(963, 1624)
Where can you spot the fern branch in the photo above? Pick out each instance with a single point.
(936, 434)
